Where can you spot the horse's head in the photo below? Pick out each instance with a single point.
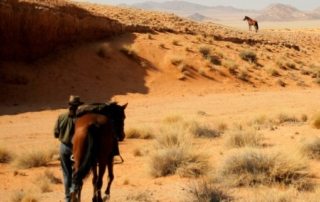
(118, 116)
(245, 18)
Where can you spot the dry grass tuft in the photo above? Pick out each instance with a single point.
(140, 197)
(252, 167)
(34, 159)
(176, 61)
(205, 191)
(205, 51)
(286, 118)
(21, 196)
(129, 51)
(243, 138)
(311, 147)
(137, 152)
(52, 178)
(201, 130)
(248, 55)
(139, 133)
(175, 154)
(44, 184)
(316, 122)
(5, 155)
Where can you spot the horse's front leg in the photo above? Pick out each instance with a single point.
(110, 177)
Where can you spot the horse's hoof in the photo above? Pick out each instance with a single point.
(106, 198)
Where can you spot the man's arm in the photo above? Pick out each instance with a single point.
(56, 130)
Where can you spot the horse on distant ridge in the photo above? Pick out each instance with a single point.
(251, 22)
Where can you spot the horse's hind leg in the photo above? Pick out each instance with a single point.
(98, 182)
(110, 177)
(94, 183)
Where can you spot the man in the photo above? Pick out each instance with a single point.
(64, 129)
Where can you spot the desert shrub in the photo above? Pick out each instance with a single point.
(274, 72)
(52, 178)
(44, 184)
(140, 197)
(173, 119)
(205, 51)
(214, 59)
(316, 121)
(285, 64)
(311, 147)
(128, 51)
(21, 196)
(252, 167)
(248, 55)
(137, 152)
(34, 159)
(162, 46)
(304, 117)
(5, 155)
(175, 42)
(201, 130)
(243, 138)
(103, 51)
(281, 83)
(139, 133)
(176, 61)
(175, 154)
(243, 75)
(286, 118)
(229, 64)
(206, 191)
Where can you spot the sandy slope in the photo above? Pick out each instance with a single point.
(34, 93)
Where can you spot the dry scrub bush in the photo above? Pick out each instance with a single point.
(273, 195)
(34, 159)
(286, 118)
(21, 196)
(311, 147)
(5, 155)
(175, 42)
(205, 51)
(243, 138)
(52, 178)
(285, 64)
(175, 154)
(139, 133)
(140, 197)
(104, 50)
(316, 122)
(206, 191)
(201, 130)
(248, 55)
(176, 61)
(250, 167)
(44, 184)
(128, 51)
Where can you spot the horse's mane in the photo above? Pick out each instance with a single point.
(97, 108)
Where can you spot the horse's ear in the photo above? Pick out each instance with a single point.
(125, 105)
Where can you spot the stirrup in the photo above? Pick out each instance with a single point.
(72, 158)
(118, 162)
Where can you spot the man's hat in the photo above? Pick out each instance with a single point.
(75, 100)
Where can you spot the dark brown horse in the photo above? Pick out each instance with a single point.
(95, 138)
(252, 22)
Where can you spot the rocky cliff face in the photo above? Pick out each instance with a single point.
(29, 30)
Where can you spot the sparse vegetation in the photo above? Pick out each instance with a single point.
(176, 61)
(139, 133)
(252, 167)
(174, 154)
(281, 83)
(175, 42)
(316, 121)
(286, 118)
(205, 51)
(201, 130)
(128, 51)
(140, 197)
(34, 159)
(285, 64)
(243, 138)
(52, 178)
(5, 155)
(248, 55)
(311, 147)
(206, 191)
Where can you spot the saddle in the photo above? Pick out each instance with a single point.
(91, 108)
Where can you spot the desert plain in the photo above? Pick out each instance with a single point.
(242, 107)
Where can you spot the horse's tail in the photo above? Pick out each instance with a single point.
(88, 159)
